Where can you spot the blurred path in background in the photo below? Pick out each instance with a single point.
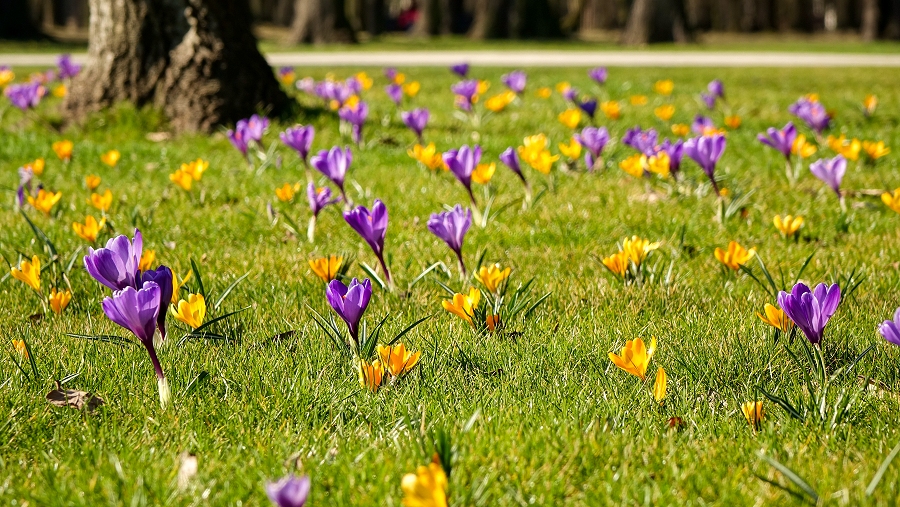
(545, 58)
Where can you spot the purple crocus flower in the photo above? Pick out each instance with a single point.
(675, 151)
(890, 329)
(26, 95)
(811, 309)
(333, 164)
(716, 88)
(255, 127)
(162, 276)
(319, 198)
(372, 227)
(462, 163)
(706, 151)
(306, 85)
(467, 91)
(460, 69)
(599, 75)
(238, 139)
(116, 265)
(515, 81)
(594, 140)
(394, 92)
(67, 68)
(570, 93)
(708, 99)
(782, 140)
(643, 141)
(813, 113)
(702, 124)
(20, 196)
(356, 117)
(291, 491)
(390, 73)
(588, 106)
(137, 310)
(831, 171)
(451, 227)
(350, 302)
(299, 138)
(416, 120)
(353, 84)
(511, 160)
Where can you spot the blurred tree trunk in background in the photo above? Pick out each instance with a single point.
(196, 59)
(16, 22)
(516, 19)
(440, 17)
(655, 21)
(321, 21)
(869, 22)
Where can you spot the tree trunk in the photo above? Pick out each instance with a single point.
(195, 59)
(321, 21)
(485, 19)
(16, 23)
(869, 25)
(655, 21)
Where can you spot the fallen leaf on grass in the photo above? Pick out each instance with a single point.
(187, 470)
(75, 399)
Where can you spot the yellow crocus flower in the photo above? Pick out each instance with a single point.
(364, 80)
(875, 150)
(754, 413)
(326, 268)
(659, 164)
(544, 92)
(370, 374)
(849, 149)
(483, 86)
(287, 78)
(563, 87)
(90, 229)
(499, 102)
(789, 225)
(735, 256)
(92, 181)
(543, 163)
(44, 201)
(665, 112)
(570, 117)
(20, 347)
(111, 157)
(351, 102)
(427, 156)
(483, 173)
(182, 179)
(176, 285)
(412, 89)
(611, 109)
(6, 76)
(425, 488)
(59, 300)
(399, 78)
(148, 257)
(29, 273)
(192, 311)
(638, 100)
(286, 192)
(396, 359)
(634, 165)
(733, 121)
(869, 104)
(37, 166)
(102, 202)
(664, 87)
(637, 249)
(617, 263)
(571, 150)
(196, 168)
(63, 149)
(659, 386)
(635, 357)
(492, 277)
(463, 305)
(892, 200)
(492, 322)
(681, 129)
(802, 148)
(776, 318)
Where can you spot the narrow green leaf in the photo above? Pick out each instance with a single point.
(791, 475)
(882, 469)
(229, 289)
(196, 271)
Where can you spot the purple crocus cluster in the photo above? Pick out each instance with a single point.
(67, 68)
(416, 120)
(714, 90)
(643, 141)
(782, 140)
(594, 140)
(372, 227)
(515, 81)
(246, 131)
(337, 91)
(25, 95)
(465, 92)
(702, 124)
(462, 163)
(812, 112)
(675, 151)
(139, 299)
(355, 116)
(811, 309)
(451, 227)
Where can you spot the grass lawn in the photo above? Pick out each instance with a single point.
(537, 415)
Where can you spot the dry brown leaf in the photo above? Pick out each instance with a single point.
(75, 399)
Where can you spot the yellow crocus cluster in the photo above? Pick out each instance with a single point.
(875, 150)
(776, 318)
(665, 112)
(659, 164)
(753, 413)
(572, 150)
(634, 165)
(36, 166)
(611, 109)
(499, 102)
(59, 300)
(364, 80)
(483, 173)
(370, 374)
(492, 277)
(92, 181)
(189, 173)
(736, 255)
(632, 252)
(463, 305)
(286, 192)
(544, 92)
(427, 156)
(848, 148)
(570, 117)
(892, 199)
(326, 268)
(397, 361)
(802, 148)
(111, 157)
(733, 121)
(44, 201)
(63, 149)
(191, 311)
(90, 229)
(638, 100)
(102, 201)
(425, 488)
(534, 152)
(664, 87)
(681, 129)
(788, 225)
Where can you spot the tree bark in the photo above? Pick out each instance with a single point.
(321, 21)
(15, 21)
(195, 59)
(655, 21)
(869, 24)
